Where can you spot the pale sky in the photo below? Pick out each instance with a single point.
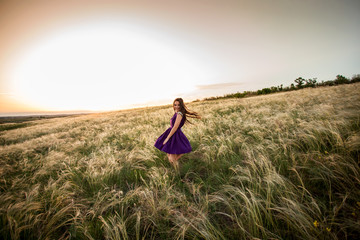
(108, 55)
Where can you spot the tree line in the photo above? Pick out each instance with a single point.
(299, 84)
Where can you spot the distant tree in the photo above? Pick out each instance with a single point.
(245, 94)
(286, 89)
(238, 95)
(274, 89)
(266, 90)
(300, 82)
(340, 79)
(355, 78)
(329, 83)
(310, 82)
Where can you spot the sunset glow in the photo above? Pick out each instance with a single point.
(110, 55)
(103, 65)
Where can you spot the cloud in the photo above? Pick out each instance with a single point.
(218, 86)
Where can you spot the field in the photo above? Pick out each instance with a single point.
(278, 166)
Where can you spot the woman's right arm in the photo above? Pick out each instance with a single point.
(174, 128)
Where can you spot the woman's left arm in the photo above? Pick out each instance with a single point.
(175, 127)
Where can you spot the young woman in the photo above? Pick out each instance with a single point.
(173, 141)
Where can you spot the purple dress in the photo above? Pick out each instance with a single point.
(178, 143)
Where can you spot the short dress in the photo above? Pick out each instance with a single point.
(178, 143)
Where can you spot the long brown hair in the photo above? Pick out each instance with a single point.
(184, 110)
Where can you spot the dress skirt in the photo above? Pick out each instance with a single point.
(177, 144)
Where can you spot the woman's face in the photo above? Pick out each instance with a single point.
(176, 106)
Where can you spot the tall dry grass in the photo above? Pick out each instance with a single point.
(280, 166)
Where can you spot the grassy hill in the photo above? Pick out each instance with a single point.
(279, 166)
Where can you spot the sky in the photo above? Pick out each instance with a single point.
(107, 55)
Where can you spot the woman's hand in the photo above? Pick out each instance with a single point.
(165, 141)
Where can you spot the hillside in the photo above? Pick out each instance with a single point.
(283, 166)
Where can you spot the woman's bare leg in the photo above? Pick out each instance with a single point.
(169, 157)
(178, 156)
(175, 160)
(172, 157)
(172, 160)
